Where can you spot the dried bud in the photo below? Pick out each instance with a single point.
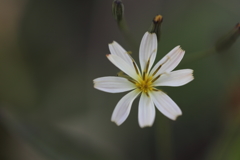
(228, 40)
(118, 10)
(156, 25)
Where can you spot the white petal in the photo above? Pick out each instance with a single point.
(165, 104)
(122, 65)
(175, 78)
(123, 107)
(169, 61)
(113, 84)
(118, 50)
(148, 48)
(146, 111)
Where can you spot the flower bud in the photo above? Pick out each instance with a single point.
(156, 25)
(228, 40)
(118, 10)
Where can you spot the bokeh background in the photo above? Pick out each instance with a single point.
(51, 50)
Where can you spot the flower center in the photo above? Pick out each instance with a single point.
(145, 81)
(145, 84)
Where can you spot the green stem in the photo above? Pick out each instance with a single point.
(224, 141)
(122, 25)
(163, 136)
(198, 55)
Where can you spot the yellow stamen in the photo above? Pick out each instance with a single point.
(145, 84)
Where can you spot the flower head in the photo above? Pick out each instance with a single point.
(144, 81)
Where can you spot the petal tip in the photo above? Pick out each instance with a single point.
(175, 118)
(95, 80)
(181, 50)
(94, 83)
(192, 77)
(146, 125)
(112, 43)
(117, 123)
(150, 33)
(178, 46)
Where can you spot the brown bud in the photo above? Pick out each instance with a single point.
(225, 42)
(156, 25)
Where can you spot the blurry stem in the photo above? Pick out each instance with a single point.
(198, 55)
(122, 25)
(223, 44)
(118, 14)
(224, 141)
(163, 136)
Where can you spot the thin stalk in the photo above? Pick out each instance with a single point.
(225, 140)
(123, 27)
(198, 55)
(163, 136)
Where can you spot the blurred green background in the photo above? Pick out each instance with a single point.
(50, 51)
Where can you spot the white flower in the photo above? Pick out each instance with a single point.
(144, 81)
